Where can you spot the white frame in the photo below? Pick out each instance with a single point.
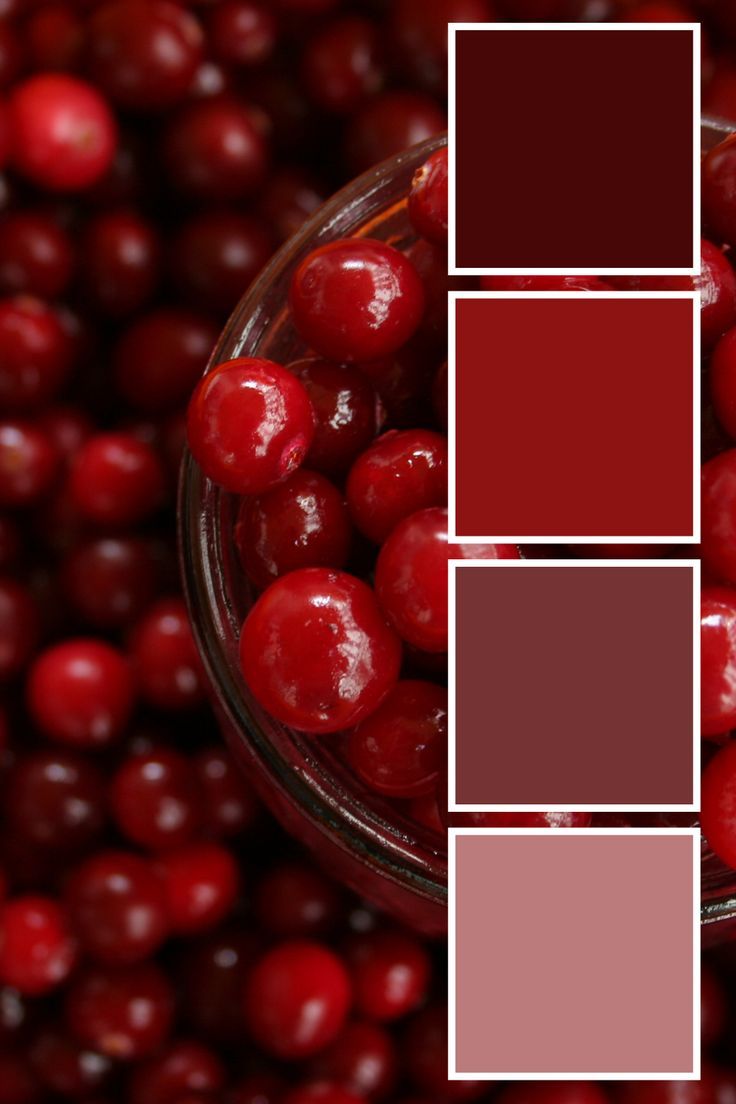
(528, 565)
(552, 834)
(593, 28)
(585, 296)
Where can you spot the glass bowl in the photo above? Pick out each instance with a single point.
(365, 842)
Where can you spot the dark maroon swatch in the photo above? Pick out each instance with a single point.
(574, 149)
(574, 685)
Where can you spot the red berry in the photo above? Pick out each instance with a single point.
(81, 693)
(165, 657)
(200, 882)
(19, 627)
(117, 907)
(390, 973)
(116, 480)
(316, 652)
(342, 64)
(216, 255)
(294, 899)
(55, 800)
(36, 255)
(397, 750)
(35, 353)
(241, 32)
(215, 151)
(388, 124)
(64, 1066)
(183, 1067)
(356, 299)
(37, 950)
(250, 425)
(718, 803)
(124, 1013)
(64, 134)
(296, 999)
(427, 202)
(301, 523)
(717, 660)
(363, 1059)
(718, 509)
(322, 1092)
(120, 263)
(347, 413)
(230, 806)
(109, 581)
(156, 799)
(28, 463)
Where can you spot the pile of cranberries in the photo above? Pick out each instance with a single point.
(161, 940)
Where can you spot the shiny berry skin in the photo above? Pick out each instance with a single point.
(29, 464)
(427, 203)
(547, 283)
(390, 972)
(216, 255)
(120, 263)
(356, 300)
(214, 150)
(303, 522)
(295, 900)
(36, 255)
(296, 999)
(161, 356)
(165, 657)
(156, 799)
(316, 652)
(124, 1013)
(81, 693)
(241, 32)
(718, 190)
(35, 353)
(363, 1059)
(397, 750)
(717, 659)
(249, 425)
(65, 1067)
(718, 511)
(230, 806)
(716, 285)
(64, 134)
(55, 800)
(401, 472)
(718, 803)
(200, 884)
(341, 64)
(411, 576)
(19, 627)
(347, 412)
(183, 1067)
(109, 581)
(37, 949)
(213, 973)
(389, 123)
(117, 907)
(144, 53)
(116, 480)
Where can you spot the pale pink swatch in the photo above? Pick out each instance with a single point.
(574, 954)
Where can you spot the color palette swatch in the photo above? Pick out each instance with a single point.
(574, 148)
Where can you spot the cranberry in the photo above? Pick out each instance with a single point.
(19, 627)
(37, 950)
(66, 1067)
(35, 353)
(321, 1092)
(389, 123)
(718, 190)
(427, 202)
(718, 507)
(214, 150)
(81, 693)
(411, 576)
(296, 999)
(258, 1088)
(356, 299)
(390, 973)
(346, 409)
(397, 750)
(183, 1067)
(419, 32)
(294, 899)
(36, 256)
(165, 657)
(301, 523)
(213, 974)
(293, 195)
(11, 55)
(316, 652)
(159, 359)
(54, 35)
(306, 7)
(425, 1056)
(250, 425)
(403, 382)
(116, 480)
(122, 1012)
(439, 394)
(64, 133)
(55, 800)
(68, 428)
(402, 472)
(216, 255)
(341, 65)
(559, 1092)
(200, 883)
(144, 53)
(117, 907)
(362, 1059)
(110, 580)
(718, 659)
(241, 32)
(716, 285)
(19, 1085)
(156, 799)
(119, 262)
(229, 805)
